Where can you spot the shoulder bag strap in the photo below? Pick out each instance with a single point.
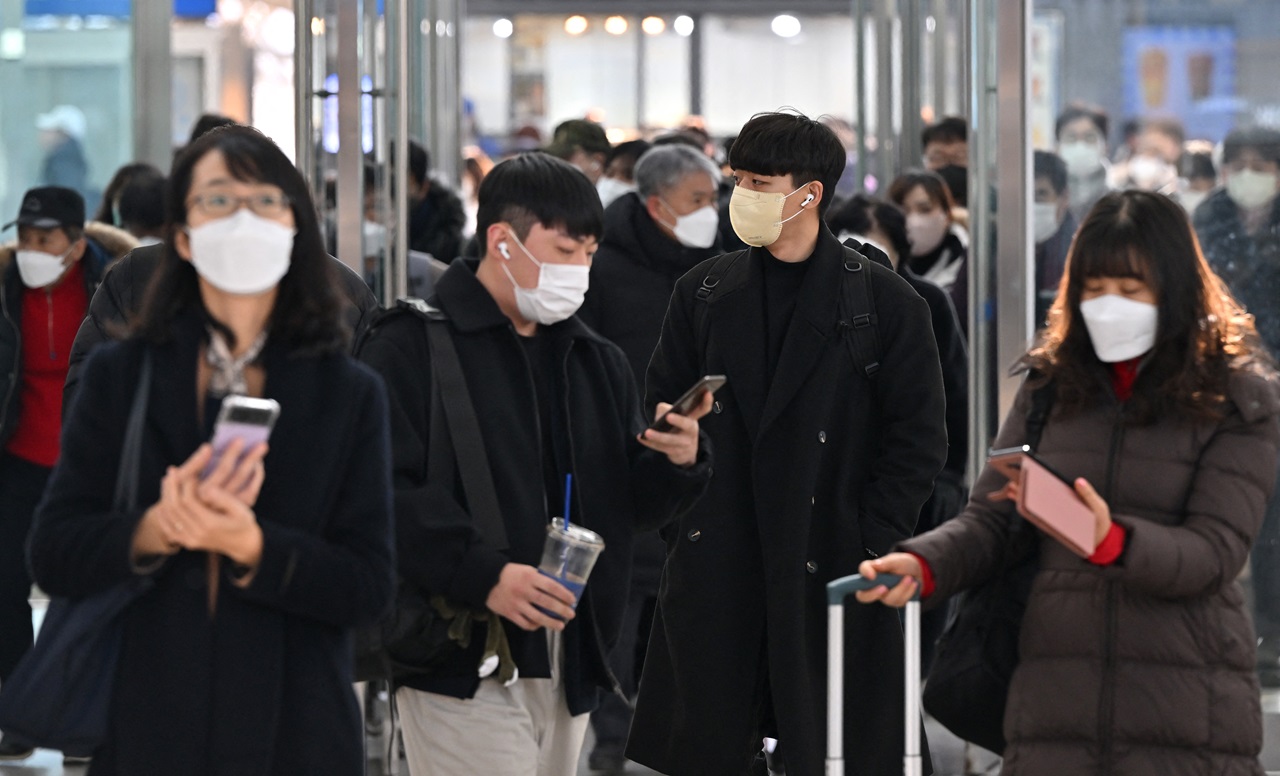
(126, 496)
(1041, 404)
(459, 415)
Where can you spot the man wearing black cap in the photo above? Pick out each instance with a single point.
(47, 284)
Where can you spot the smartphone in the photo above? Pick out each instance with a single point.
(1048, 499)
(691, 398)
(241, 417)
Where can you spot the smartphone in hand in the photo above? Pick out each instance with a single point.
(687, 402)
(1048, 499)
(241, 417)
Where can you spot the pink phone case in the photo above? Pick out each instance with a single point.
(1056, 508)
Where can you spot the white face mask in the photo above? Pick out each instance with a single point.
(1149, 173)
(1120, 328)
(1082, 158)
(243, 253)
(1251, 189)
(560, 291)
(926, 231)
(697, 229)
(39, 269)
(1045, 220)
(610, 189)
(756, 216)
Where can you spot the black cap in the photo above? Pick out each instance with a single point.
(48, 206)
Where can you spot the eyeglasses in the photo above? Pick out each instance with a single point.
(267, 205)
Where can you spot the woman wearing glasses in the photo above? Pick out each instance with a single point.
(238, 659)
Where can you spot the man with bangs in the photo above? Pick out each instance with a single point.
(551, 397)
(823, 460)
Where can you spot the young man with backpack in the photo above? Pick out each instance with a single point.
(828, 436)
(548, 397)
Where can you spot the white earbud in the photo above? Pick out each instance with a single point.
(807, 200)
(506, 252)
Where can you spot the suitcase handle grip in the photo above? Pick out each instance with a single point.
(838, 589)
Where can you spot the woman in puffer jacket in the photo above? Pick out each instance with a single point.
(1140, 658)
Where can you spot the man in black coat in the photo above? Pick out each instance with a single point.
(818, 467)
(551, 397)
(124, 286)
(651, 238)
(436, 215)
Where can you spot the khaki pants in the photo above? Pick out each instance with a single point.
(521, 730)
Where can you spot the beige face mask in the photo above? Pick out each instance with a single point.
(756, 216)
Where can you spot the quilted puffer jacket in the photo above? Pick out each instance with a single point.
(1144, 667)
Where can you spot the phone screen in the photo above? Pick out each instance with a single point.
(246, 419)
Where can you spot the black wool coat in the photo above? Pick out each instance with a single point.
(619, 485)
(814, 474)
(262, 686)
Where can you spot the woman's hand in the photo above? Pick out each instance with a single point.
(209, 518)
(1101, 510)
(1009, 492)
(238, 472)
(680, 445)
(901, 563)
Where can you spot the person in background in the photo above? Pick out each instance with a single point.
(651, 238)
(47, 283)
(1137, 657)
(1198, 174)
(818, 466)
(207, 123)
(239, 656)
(729, 239)
(1239, 230)
(583, 144)
(139, 208)
(552, 397)
(476, 164)
(1153, 166)
(1081, 133)
(883, 226)
(939, 247)
(108, 211)
(946, 152)
(620, 170)
(436, 215)
(1053, 227)
(62, 133)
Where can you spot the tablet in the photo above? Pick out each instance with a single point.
(1048, 499)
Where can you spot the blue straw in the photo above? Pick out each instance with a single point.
(568, 493)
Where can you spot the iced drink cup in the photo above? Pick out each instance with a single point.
(568, 556)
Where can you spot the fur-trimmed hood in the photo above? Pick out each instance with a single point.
(114, 241)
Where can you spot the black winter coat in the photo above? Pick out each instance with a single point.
(814, 474)
(124, 288)
(619, 485)
(264, 685)
(632, 277)
(436, 222)
(1249, 263)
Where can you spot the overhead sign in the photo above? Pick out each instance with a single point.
(117, 8)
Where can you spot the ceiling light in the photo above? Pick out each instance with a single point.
(653, 25)
(575, 25)
(615, 25)
(786, 26)
(503, 28)
(683, 25)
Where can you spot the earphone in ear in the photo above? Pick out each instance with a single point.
(807, 200)
(506, 252)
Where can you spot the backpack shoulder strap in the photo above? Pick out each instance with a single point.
(454, 413)
(859, 320)
(1041, 405)
(719, 268)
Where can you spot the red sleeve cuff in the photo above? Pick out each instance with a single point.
(926, 577)
(1112, 545)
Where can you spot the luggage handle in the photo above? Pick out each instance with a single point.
(837, 591)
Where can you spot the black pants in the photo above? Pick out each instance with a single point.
(21, 486)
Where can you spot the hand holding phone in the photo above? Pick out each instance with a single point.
(690, 399)
(243, 420)
(1047, 499)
